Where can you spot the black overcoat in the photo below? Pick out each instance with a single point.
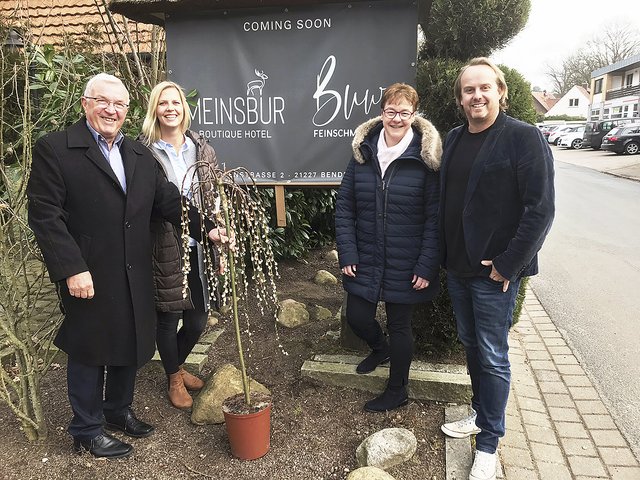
(84, 221)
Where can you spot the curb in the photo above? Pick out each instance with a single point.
(458, 451)
(198, 357)
(427, 381)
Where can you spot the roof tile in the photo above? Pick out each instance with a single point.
(48, 21)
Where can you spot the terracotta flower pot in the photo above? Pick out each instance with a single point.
(249, 432)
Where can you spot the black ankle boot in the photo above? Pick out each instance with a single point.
(389, 400)
(375, 358)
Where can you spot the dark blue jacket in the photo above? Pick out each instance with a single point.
(389, 227)
(509, 203)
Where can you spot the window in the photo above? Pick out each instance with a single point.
(573, 102)
(597, 86)
(625, 111)
(616, 112)
(635, 111)
(629, 80)
(595, 114)
(605, 114)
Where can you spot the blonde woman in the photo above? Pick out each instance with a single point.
(176, 148)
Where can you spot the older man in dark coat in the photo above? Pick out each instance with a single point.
(92, 193)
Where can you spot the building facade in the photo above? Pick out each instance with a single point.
(615, 90)
(574, 103)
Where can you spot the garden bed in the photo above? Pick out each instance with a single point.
(315, 428)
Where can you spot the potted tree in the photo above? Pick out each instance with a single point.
(231, 197)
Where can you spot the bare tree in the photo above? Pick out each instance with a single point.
(28, 303)
(615, 42)
(575, 70)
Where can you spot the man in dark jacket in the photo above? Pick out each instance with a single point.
(92, 193)
(497, 205)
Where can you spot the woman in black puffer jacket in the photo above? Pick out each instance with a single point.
(387, 233)
(165, 132)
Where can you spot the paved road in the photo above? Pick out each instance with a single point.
(590, 277)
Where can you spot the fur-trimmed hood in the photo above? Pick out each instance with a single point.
(431, 144)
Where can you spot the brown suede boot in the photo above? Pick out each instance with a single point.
(178, 395)
(190, 381)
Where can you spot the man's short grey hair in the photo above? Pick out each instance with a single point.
(101, 77)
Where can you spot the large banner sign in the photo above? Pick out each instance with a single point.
(281, 92)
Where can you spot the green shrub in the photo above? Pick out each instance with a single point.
(435, 78)
(567, 118)
(310, 220)
(520, 100)
(463, 29)
(434, 325)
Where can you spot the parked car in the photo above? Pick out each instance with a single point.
(594, 131)
(624, 139)
(555, 135)
(549, 130)
(544, 128)
(572, 139)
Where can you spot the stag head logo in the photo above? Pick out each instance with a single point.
(254, 85)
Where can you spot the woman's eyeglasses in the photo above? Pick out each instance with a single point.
(391, 114)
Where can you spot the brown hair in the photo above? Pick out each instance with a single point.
(400, 91)
(500, 81)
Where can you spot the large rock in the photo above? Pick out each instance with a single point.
(387, 448)
(325, 278)
(369, 473)
(224, 383)
(321, 313)
(292, 314)
(332, 255)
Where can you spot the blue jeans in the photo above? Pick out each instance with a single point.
(484, 314)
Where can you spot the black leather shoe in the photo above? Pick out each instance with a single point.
(389, 400)
(375, 358)
(103, 446)
(128, 424)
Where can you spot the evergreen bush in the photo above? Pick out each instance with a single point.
(310, 220)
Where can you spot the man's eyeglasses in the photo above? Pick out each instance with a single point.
(391, 114)
(104, 103)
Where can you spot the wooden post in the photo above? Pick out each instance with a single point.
(281, 211)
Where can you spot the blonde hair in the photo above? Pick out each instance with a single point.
(500, 81)
(151, 125)
(399, 91)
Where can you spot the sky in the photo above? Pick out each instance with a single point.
(556, 29)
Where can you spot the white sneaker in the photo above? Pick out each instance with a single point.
(462, 428)
(484, 466)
